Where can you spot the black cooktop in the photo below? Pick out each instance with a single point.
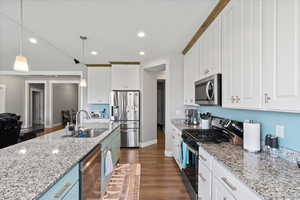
(192, 136)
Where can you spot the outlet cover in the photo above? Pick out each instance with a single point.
(280, 131)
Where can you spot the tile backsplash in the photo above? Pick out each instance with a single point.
(268, 120)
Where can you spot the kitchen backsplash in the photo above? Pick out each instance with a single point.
(99, 108)
(268, 120)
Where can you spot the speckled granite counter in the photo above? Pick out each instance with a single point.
(179, 123)
(30, 168)
(271, 178)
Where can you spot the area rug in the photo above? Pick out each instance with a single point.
(124, 183)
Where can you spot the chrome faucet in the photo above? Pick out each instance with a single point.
(78, 120)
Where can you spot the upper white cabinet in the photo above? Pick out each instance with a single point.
(281, 67)
(99, 80)
(191, 71)
(125, 77)
(210, 50)
(241, 54)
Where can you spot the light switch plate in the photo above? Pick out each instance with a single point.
(280, 131)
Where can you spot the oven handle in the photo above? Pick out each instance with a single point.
(192, 150)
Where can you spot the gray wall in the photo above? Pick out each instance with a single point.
(65, 97)
(15, 94)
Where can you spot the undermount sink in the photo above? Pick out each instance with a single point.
(90, 133)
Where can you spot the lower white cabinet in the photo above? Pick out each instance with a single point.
(176, 141)
(204, 182)
(215, 182)
(220, 192)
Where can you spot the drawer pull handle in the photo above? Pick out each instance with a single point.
(62, 190)
(203, 179)
(202, 157)
(228, 184)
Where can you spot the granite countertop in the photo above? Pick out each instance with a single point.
(271, 178)
(30, 168)
(179, 123)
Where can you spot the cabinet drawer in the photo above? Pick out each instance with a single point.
(73, 194)
(204, 183)
(205, 158)
(239, 190)
(63, 186)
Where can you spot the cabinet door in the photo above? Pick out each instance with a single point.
(99, 80)
(204, 182)
(220, 192)
(73, 194)
(215, 46)
(125, 77)
(227, 55)
(191, 67)
(251, 71)
(281, 73)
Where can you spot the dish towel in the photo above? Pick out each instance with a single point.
(109, 167)
(185, 155)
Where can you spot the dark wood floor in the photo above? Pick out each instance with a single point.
(161, 179)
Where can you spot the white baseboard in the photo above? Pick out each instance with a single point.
(168, 154)
(148, 143)
(54, 125)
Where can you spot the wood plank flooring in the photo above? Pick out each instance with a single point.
(161, 179)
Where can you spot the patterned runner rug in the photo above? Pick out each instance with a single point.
(124, 183)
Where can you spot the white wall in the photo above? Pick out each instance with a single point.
(174, 91)
(149, 107)
(15, 94)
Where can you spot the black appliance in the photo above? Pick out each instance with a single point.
(221, 131)
(208, 91)
(10, 127)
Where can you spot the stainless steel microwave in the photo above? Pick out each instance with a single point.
(208, 91)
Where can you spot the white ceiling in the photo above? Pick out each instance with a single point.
(111, 26)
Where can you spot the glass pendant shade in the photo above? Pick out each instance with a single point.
(21, 64)
(83, 83)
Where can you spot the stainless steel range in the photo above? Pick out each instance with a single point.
(222, 131)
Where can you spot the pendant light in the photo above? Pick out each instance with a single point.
(21, 64)
(83, 39)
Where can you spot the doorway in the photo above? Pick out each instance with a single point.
(37, 105)
(2, 98)
(161, 87)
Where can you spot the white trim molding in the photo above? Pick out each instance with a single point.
(50, 73)
(2, 86)
(27, 96)
(148, 143)
(168, 154)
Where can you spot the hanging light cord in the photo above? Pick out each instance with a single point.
(21, 28)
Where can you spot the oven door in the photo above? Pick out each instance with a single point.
(190, 173)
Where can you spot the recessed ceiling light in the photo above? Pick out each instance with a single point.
(142, 53)
(94, 53)
(141, 34)
(33, 40)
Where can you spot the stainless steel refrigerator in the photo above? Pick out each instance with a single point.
(125, 108)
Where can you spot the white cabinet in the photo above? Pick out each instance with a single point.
(281, 42)
(176, 141)
(191, 68)
(99, 80)
(220, 192)
(204, 182)
(125, 77)
(241, 54)
(210, 50)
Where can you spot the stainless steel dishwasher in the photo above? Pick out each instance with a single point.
(90, 175)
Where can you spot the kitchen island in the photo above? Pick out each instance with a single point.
(31, 168)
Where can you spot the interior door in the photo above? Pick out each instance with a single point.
(36, 105)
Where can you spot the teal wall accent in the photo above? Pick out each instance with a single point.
(268, 120)
(99, 108)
